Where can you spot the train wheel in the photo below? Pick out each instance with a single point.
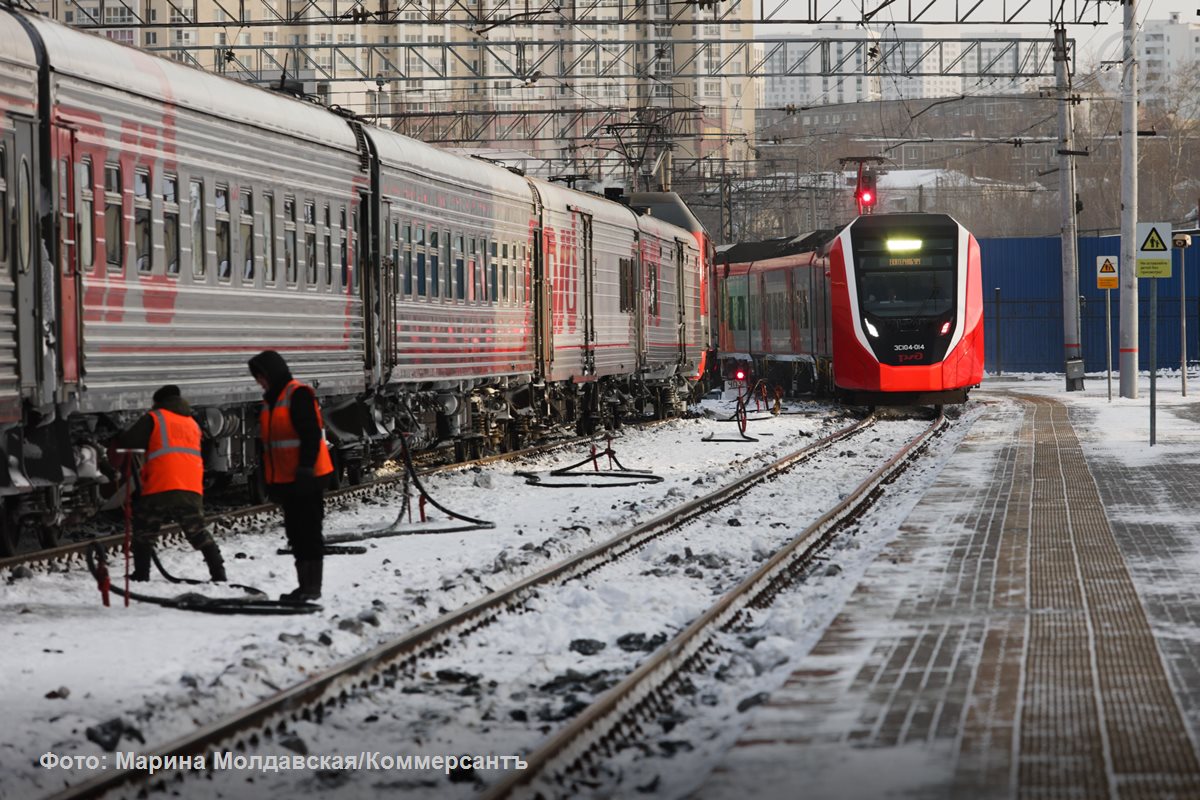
(256, 488)
(337, 478)
(10, 531)
(48, 535)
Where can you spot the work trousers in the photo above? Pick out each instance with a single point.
(303, 507)
(152, 511)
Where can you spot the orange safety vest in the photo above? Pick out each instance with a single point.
(173, 459)
(281, 443)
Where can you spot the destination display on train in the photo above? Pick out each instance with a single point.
(906, 253)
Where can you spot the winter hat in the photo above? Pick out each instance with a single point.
(166, 393)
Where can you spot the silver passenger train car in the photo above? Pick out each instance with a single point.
(162, 224)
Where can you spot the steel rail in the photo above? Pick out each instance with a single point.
(310, 698)
(601, 722)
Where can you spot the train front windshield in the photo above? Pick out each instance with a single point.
(906, 274)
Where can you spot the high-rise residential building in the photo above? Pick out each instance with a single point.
(1165, 47)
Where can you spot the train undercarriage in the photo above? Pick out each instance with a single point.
(62, 476)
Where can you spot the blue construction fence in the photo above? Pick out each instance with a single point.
(1023, 306)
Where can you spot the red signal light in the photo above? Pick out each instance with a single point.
(867, 198)
(740, 375)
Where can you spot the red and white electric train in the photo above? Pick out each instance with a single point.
(887, 311)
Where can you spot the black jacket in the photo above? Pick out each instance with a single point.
(303, 408)
(137, 436)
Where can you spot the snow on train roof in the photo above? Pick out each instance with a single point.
(100, 60)
(399, 151)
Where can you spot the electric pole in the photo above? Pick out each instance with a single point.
(1129, 152)
(1072, 356)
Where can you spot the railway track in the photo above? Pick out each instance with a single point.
(312, 698)
(566, 764)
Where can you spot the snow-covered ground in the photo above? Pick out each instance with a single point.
(164, 671)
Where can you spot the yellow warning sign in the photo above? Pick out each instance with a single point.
(1154, 255)
(1106, 273)
(1153, 243)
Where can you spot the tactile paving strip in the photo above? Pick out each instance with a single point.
(1098, 714)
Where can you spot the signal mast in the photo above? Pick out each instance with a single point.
(866, 192)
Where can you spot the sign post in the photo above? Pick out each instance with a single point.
(1153, 261)
(1108, 278)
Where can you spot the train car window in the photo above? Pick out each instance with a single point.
(343, 252)
(196, 201)
(170, 196)
(224, 235)
(626, 290)
(289, 240)
(113, 243)
(493, 273)
(524, 274)
(434, 274)
(87, 218)
(652, 287)
(910, 282)
(246, 207)
(24, 217)
(407, 260)
(446, 276)
(328, 247)
(462, 292)
(269, 247)
(141, 220)
(420, 261)
(310, 244)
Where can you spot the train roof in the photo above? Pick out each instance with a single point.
(398, 151)
(745, 252)
(667, 206)
(95, 59)
(15, 46)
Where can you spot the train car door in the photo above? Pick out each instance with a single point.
(366, 275)
(587, 267)
(389, 288)
(639, 302)
(681, 297)
(28, 255)
(68, 255)
(10, 391)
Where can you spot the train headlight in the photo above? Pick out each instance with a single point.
(945, 328)
(903, 245)
(871, 329)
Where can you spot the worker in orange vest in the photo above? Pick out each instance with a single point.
(296, 466)
(172, 481)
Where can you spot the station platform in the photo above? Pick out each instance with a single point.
(1032, 632)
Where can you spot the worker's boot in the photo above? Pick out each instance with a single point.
(308, 575)
(141, 561)
(212, 557)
